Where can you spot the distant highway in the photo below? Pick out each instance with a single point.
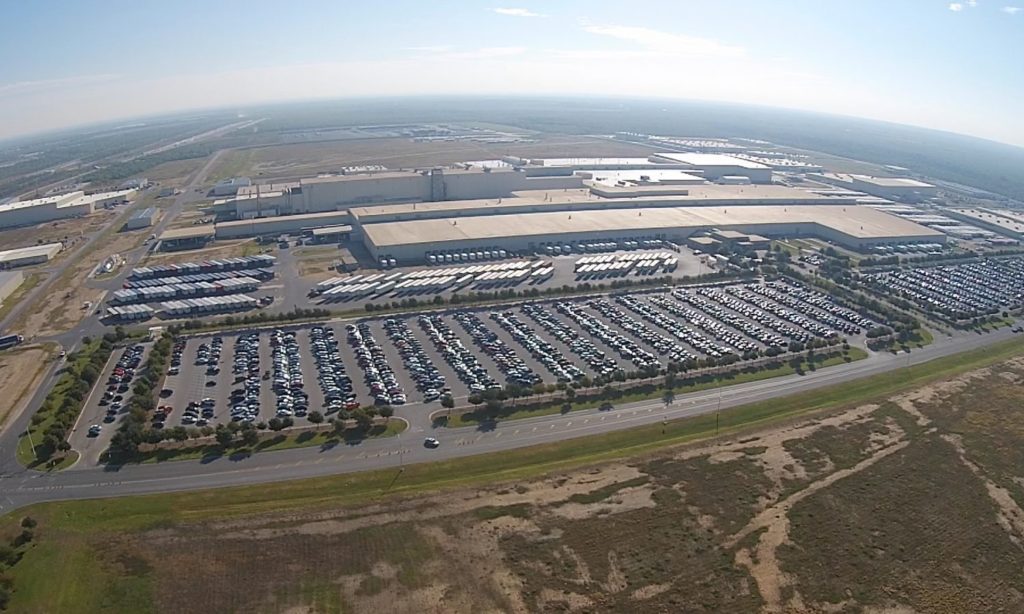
(20, 487)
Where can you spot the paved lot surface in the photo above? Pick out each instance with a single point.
(95, 412)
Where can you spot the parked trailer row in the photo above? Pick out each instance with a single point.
(261, 274)
(258, 261)
(234, 285)
(209, 304)
(130, 312)
(469, 256)
(479, 268)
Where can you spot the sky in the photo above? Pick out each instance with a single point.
(950, 66)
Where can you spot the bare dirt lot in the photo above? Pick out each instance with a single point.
(309, 158)
(222, 249)
(61, 309)
(20, 370)
(911, 504)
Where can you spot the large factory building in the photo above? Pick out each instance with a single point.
(50, 208)
(412, 235)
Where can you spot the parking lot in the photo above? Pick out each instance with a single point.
(958, 291)
(107, 403)
(411, 362)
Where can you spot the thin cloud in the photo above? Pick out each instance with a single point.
(517, 12)
(44, 85)
(484, 53)
(429, 48)
(666, 43)
(956, 7)
(1012, 10)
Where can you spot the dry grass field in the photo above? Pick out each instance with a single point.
(912, 504)
(300, 160)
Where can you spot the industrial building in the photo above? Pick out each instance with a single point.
(892, 188)
(50, 208)
(598, 198)
(186, 238)
(27, 256)
(715, 167)
(855, 227)
(282, 224)
(1008, 224)
(340, 192)
(142, 219)
(229, 187)
(9, 282)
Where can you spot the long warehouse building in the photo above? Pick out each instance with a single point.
(50, 208)
(851, 226)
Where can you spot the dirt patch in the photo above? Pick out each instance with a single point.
(21, 369)
(223, 249)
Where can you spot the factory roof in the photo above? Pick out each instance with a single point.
(707, 159)
(1016, 224)
(47, 249)
(670, 176)
(634, 196)
(195, 232)
(591, 161)
(893, 182)
(860, 222)
(277, 219)
(148, 212)
(331, 230)
(59, 200)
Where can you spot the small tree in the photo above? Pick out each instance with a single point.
(315, 417)
(447, 402)
(386, 412)
(250, 437)
(224, 437)
(275, 424)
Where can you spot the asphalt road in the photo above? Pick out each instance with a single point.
(20, 487)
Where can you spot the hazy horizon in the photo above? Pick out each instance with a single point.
(856, 60)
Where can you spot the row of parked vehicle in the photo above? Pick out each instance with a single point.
(334, 380)
(743, 301)
(958, 291)
(428, 379)
(457, 355)
(288, 382)
(118, 385)
(752, 330)
(377, 373)
(785, 308)
(245, 401)
(625, 347)
(563, 369)
(663, 345)
(515, 369)
(598, 360)
(825, 303)
(678, 330)
(818, 306)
